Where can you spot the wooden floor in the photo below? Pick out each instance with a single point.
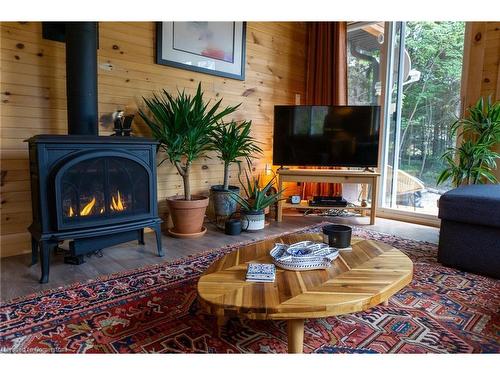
(19, 279)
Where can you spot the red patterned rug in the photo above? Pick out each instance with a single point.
(154, 309)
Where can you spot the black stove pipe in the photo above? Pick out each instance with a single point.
(81, 77)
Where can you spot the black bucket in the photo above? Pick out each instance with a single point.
(336, 235)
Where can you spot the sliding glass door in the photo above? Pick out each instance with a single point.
(422, 71)
(365, 68)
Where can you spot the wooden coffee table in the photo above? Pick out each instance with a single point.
(358, 279)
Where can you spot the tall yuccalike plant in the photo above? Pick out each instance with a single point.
(232, 142)
(474, 160)
(183, 125)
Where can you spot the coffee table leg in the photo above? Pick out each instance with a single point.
(221, 321)
(295, 335)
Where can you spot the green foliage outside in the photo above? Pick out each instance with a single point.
(431, 105)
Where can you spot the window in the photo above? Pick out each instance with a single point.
(424, 103)
(423, 71)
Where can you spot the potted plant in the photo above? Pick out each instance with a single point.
(474, 160)
(232, 142)
(252, 208)
(183, 127)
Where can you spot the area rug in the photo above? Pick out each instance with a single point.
(155, 310)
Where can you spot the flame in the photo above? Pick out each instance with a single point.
(71, 213)
(101, 211)
(86, 210)
(117, 204)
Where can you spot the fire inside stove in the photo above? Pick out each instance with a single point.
(91, 208)
(103, 187)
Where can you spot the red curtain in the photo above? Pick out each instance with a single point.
(326, 80)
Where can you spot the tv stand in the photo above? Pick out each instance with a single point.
(331, 176)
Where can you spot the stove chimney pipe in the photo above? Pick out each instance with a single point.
(81, 77)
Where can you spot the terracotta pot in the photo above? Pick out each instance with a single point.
(187, 216)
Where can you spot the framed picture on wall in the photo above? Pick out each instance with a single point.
(216, 48)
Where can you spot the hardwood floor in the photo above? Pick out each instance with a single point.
(19, 279)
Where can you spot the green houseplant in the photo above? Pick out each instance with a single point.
(252, 208)
(232, 143)
(183, 126)
(473, 161)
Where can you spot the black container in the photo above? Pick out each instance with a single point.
(338, 236)
(232, 227)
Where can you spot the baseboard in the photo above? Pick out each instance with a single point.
(414, 218)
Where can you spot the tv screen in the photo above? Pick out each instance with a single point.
(341, 136)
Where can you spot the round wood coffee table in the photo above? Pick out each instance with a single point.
(358, 279)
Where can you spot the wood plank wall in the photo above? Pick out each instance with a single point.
(34, 99)
(482, 65)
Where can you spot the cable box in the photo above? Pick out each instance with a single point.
(337, 201)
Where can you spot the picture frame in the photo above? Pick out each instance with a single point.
(216, 48)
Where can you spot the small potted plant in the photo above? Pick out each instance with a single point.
(258, 199)
(184, 126)
(232, 142)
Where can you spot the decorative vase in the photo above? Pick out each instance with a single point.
(187, 216)
(252, 220)
(223, 203)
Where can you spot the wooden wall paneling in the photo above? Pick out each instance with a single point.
(473, 63)
(481, 65)
(33, 92)
(491, 70)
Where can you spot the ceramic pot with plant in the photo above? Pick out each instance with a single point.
(233, 144)
(183, 126)
(258, 199)
(474, 161)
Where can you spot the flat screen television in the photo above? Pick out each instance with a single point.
(340, 136)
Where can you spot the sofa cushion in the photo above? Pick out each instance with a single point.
(473, 204)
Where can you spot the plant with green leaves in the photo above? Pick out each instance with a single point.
(183, 125)
(257, 198)
(232, 142)
(474, 160)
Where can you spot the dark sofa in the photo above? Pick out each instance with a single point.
(469, 238)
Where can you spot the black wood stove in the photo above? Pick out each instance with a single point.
(93, 191)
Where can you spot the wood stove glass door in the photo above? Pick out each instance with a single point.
(102, 190)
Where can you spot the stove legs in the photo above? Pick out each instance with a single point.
(157, 229)
(34, 251)
(41, 249)
(141, 237)
(45, 249)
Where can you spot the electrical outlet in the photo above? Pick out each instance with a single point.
(268, 169)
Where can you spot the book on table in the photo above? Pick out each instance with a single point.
(261, 272)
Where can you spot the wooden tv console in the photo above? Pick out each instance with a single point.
(333, 176)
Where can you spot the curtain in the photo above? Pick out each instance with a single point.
(326, 80)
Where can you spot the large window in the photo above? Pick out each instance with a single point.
(365, 68)
(424, 69)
